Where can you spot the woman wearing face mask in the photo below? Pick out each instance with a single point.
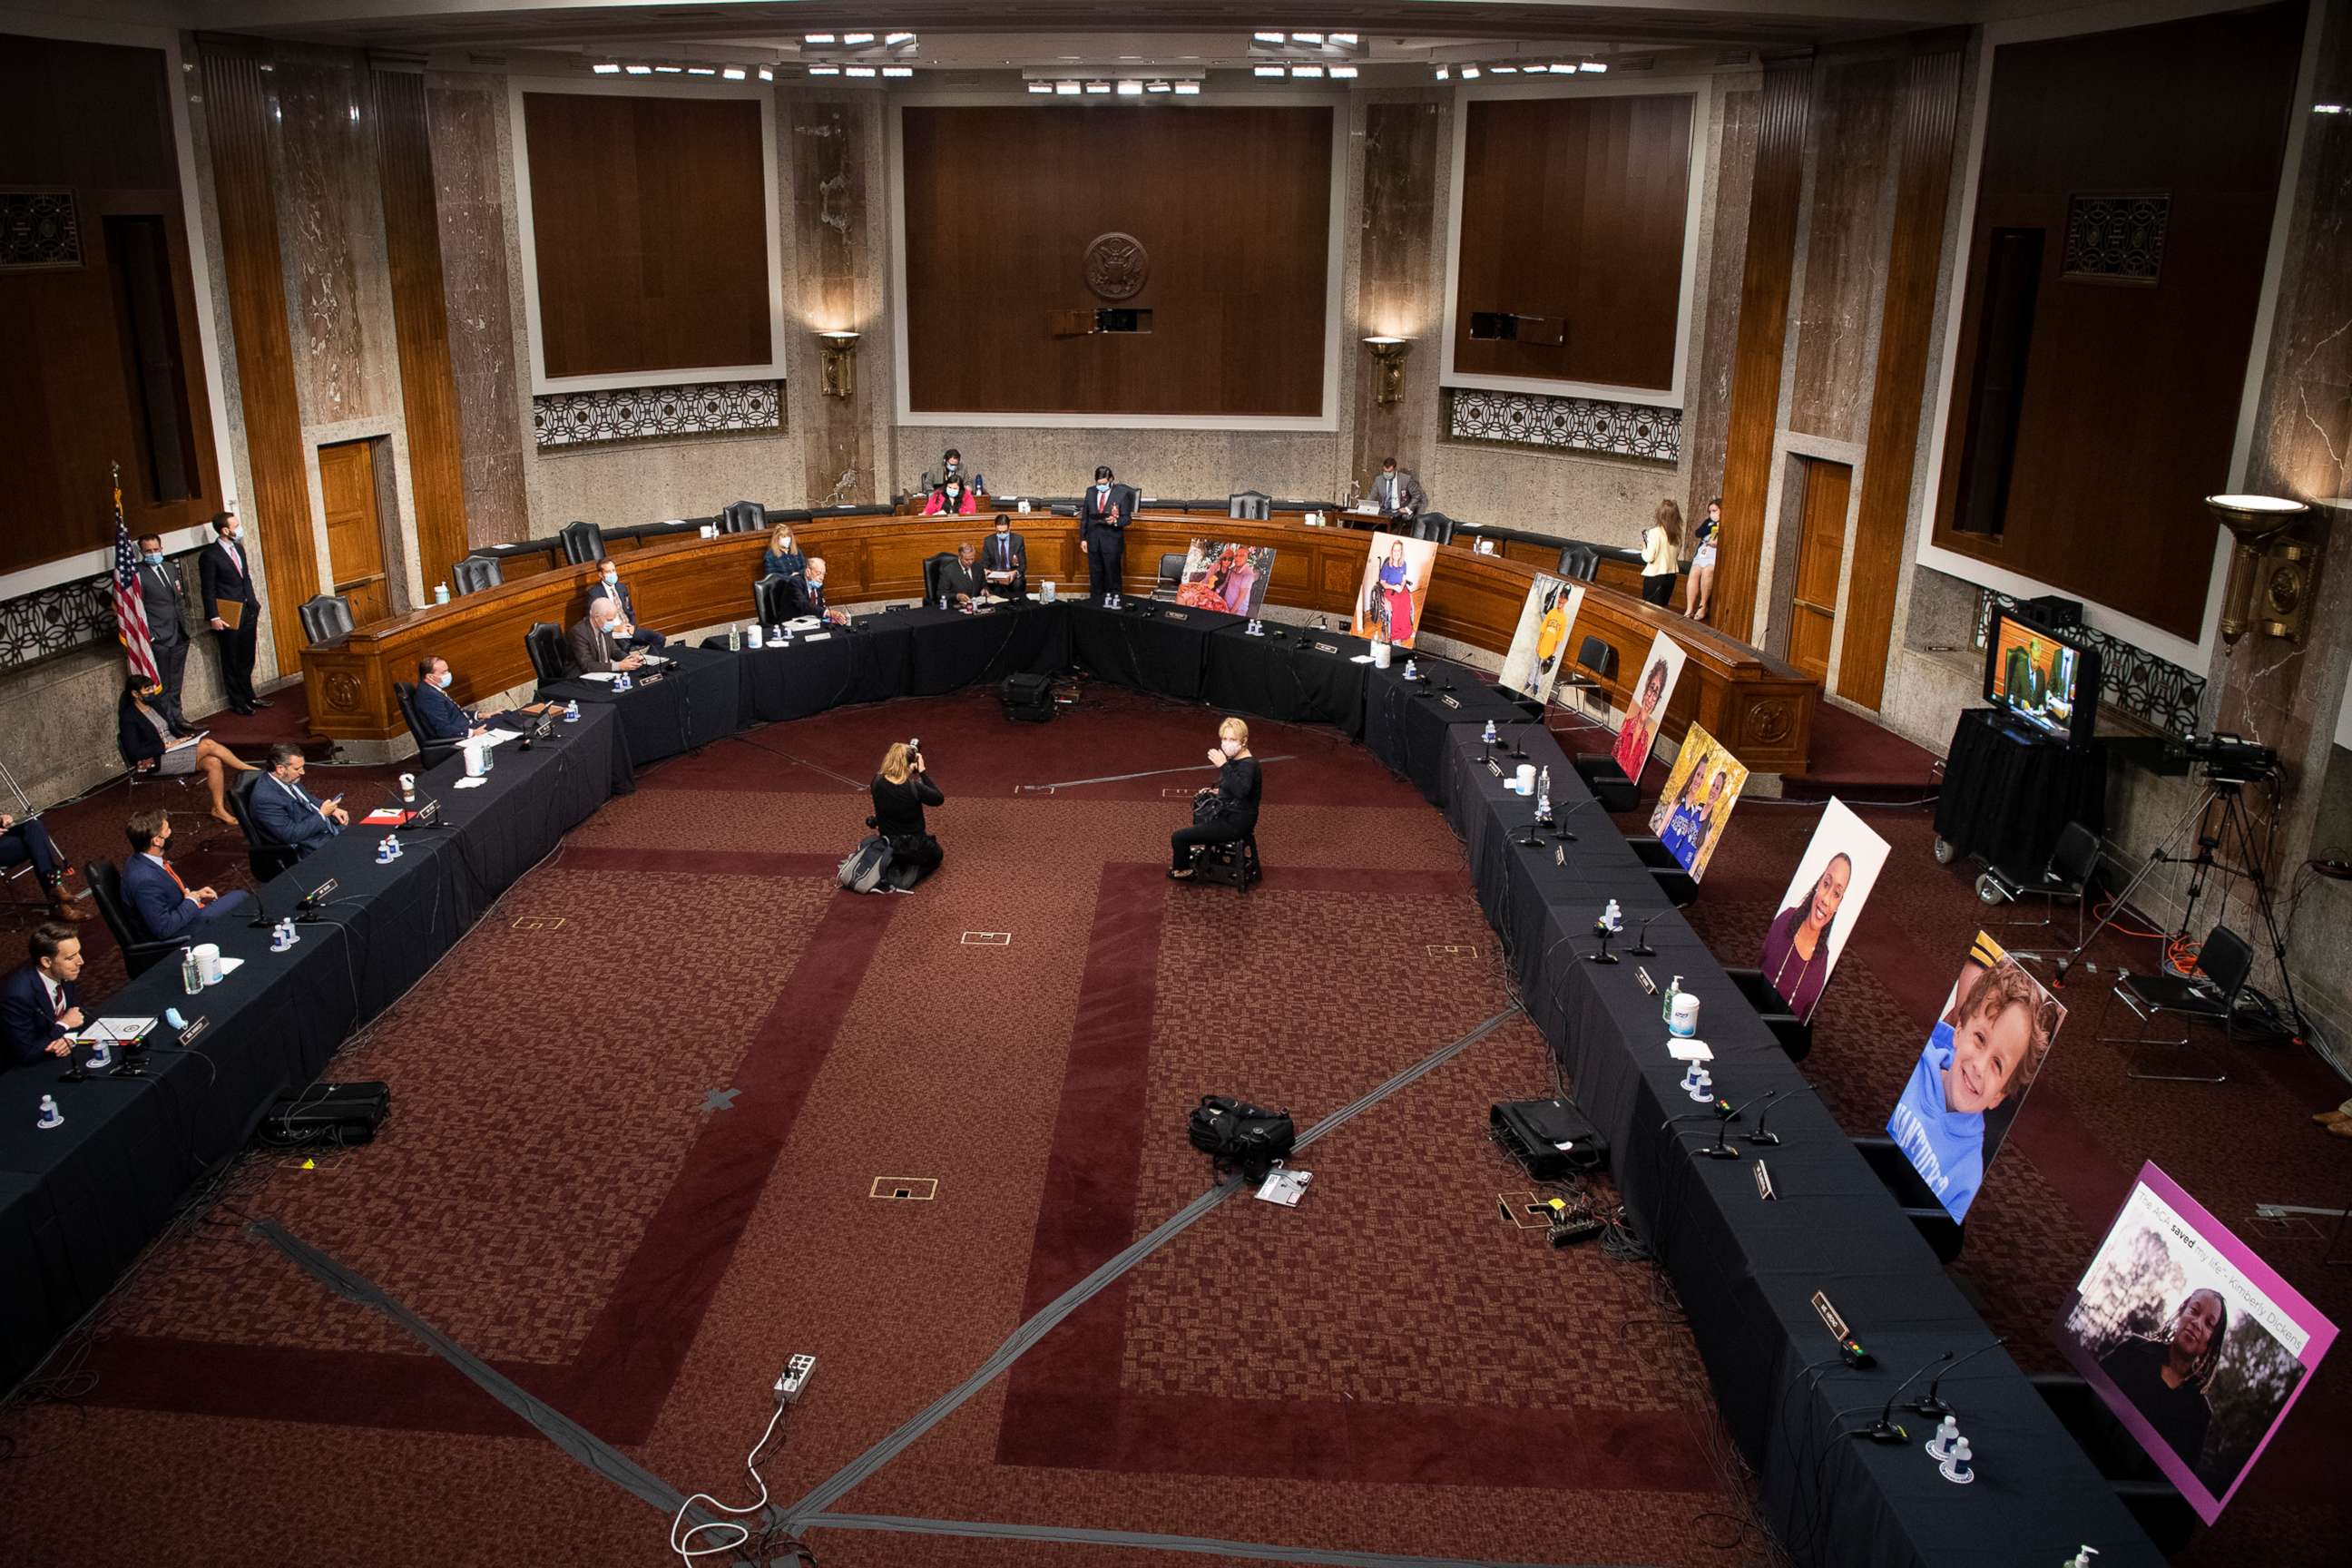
(1797, 947)
(952, 496)
(144, 738)
(2167, 1377)
(783, 557)
(1226, 813)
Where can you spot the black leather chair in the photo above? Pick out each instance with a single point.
(1579, 560)
(1250, 506)
(1170, 576)
(1595, 667)
(932, 566)
(1433, 525)
(771, 600)
(472, 574)
(325, 618)
(139, 956)
(265, 855)
(2225, 962)
(2154, 1502)
(1925, 1212)
(1795, 1035)
(429, 749)
(1605, 779)
(551, 660)
(583, 544)
(1673, 881)
(2072, 863)
(743, 516)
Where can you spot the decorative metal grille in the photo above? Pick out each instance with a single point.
(2115, 238)
(2132, 680)
(53, 620)
(38, 229)
(1577, 424)
(576, 418)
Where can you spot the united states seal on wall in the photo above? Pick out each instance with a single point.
(1117, 265)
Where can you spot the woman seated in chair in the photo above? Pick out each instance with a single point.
(783, 557)
(953, 496)
(1226, 813)
(148, 746)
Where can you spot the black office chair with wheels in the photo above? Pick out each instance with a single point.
(326, 618)
(743, 516)
(265, 855)
(1581, 561)
(933, 566)
(1171, 575)
(583, 544)
(472, 574)
(550, 660)
(771, 600)
(1249, 506)
(429, 749)
(1434, 526)
(2224, 964)
(139, 955)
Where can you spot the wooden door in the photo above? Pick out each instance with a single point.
(1820, 549)
(354, 532)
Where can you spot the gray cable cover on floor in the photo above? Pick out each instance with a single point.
(1199, 1545)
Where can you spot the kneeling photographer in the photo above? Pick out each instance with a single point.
(901, 790)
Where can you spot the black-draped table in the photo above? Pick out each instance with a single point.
(77, 1201)
(696, 700)
(2009, 791)
(1407, 722)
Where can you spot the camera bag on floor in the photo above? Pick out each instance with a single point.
(326, 1115)
(1234, 1132)
(1028, 699)
(867, 867)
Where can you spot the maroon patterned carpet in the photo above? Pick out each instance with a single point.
(1389, 1367)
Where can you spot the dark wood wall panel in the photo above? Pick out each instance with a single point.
(93, 119)
(420, 321)
(1232, 205)
(1930, 115)
(278, 513)
(650, 229)
(1763, 335)
(2129, 406)
(1575, 207)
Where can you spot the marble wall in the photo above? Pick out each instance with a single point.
(464, 116)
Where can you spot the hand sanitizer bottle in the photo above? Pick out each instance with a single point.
(1666, 999)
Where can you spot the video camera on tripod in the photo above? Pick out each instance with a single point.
(2226, 758)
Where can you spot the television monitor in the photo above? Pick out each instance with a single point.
(2046, 678)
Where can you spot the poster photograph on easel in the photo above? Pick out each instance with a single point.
(1700, 789)
(1818, 911)
(2199, 1347)
(1987, 1048)
(1540, 643)
(1395, 586)
(1645, 708)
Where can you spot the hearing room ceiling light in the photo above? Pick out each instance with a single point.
(1130, 89)
(897, 70)
(1264, 71)
(638, 70)
(1066, 90)
(734, 73)
(861, 70)
(825, 70)
(1095, 87)
(1314, 72)
(767, 73)
(1045, 88)
(1188, 89)
(606, 67)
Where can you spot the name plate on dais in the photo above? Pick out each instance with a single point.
(1449, 702)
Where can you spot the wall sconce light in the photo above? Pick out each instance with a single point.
(1389, 353)
(837, 351)
(2270, 576)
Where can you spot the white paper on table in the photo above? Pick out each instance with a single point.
(1362, 659)
(600, 675)
(490, 737)
(1689, 1051)
(816, 637)
(470, 783)
(118, 1029)
(229, 966)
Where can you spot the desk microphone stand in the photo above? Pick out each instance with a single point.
(1641, 948)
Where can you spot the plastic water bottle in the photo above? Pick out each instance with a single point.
(440, 592)
(101, 1056)
(50, 1115)
(943, 601)
(1543, 794)
(735, 639)
(1490, 737)
(572, 712)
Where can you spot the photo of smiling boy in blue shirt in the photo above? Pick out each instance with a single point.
(1981, 1054)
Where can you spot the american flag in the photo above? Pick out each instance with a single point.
(129, 603)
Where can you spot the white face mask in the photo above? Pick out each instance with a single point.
(442, 680)
(1232, 748)
(611, 578)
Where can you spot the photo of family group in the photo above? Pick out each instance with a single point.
(1701, 789)
(1224, 576)
(1396, 587)
(2197, 1345)
(1983, 1054)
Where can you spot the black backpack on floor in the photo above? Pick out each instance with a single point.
(1234, 1132)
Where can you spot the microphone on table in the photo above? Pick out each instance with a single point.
(1519, 749)
(1725, 1116)
(1883, 1429)
(1641, 948)
(1559, 827)
(1928, 1404)
(1762, 1138)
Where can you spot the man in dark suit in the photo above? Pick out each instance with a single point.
(28, 840)
(597, 646)
(286, 813)
(1103, 513)
(39, 1004)
(804, 595)
(960, 579)
(1396, 492)
(225, 572)
(1004, 561)
(167, 626)
(160, 905)
(438, 715)
(608, 585)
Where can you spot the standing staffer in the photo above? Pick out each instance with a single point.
(224, 571)
(167, 626)
(1103, 513)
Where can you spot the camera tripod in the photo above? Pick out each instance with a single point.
(2233, 830)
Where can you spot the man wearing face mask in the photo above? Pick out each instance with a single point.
(232, 608)
(438, 715)
(167, 628)
(608, 585)
(1004, 561)
(804, 595)
(1103, 513)
(162, 906)
(597, 645)
(286, 813)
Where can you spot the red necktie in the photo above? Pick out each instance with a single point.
(58, 1010)
(175, 875)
